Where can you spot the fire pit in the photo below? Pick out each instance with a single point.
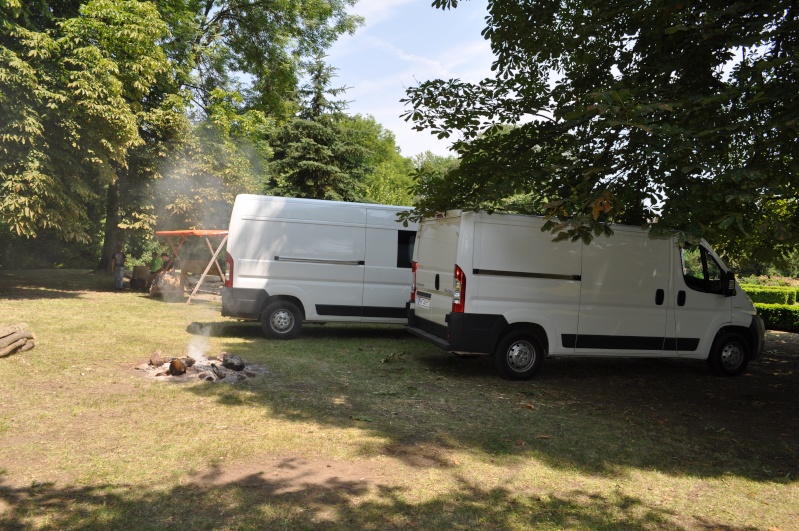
(225, 367)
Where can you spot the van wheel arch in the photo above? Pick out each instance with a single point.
(518, 355)
(731, 351)
(536, 330)
(282, 317)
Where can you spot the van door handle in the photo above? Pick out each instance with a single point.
(660, 295)
(436, 281)
(681, 298)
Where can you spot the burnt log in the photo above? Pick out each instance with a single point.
(219, 373)
(177, 367)
(232, 361)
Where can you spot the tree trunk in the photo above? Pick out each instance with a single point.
(113, 234)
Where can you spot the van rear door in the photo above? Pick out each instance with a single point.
(435, 255)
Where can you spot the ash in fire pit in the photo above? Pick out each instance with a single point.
(225, 367)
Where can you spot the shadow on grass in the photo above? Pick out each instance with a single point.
(52, 283)
(310, 331)
(258, 502)
(600, 416)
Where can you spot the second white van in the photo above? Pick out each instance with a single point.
(496, 284)
(291, 261)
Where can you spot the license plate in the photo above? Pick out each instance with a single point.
(423, 302)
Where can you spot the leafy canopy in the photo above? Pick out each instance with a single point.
(66, 87)
(676, 114)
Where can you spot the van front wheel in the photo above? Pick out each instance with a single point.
(281, 320)
(730, 354)
(518, 355)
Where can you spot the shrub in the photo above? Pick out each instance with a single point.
(770, 294)
(782, 317)
(764, 280)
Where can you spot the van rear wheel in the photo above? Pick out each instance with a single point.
(730, 354)
(518, 355)
(281, 320)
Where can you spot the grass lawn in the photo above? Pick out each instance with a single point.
(366, 427)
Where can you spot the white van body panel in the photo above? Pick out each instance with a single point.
(623, 295)
(513, 271)
(621, 277)
(339, 260)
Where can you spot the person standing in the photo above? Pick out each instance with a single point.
(155, 267)
(118, 265)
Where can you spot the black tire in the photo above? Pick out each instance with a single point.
(729, 355)
(518, 355)
(281, 320)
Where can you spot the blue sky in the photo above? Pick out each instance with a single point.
(402, 43)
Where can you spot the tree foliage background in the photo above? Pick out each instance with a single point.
(680, 115)
(121, 117)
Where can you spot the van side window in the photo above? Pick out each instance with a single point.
(405, 241)
(700, 271)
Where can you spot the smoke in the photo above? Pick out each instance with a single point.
(200, 330)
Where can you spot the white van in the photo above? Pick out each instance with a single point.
(495, 284)
(293, 260)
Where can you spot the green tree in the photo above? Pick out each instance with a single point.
(387, 174)
(68, 75)
(219, 157)
(676, 114)
(193, 169)
(314, 159)
(102, 102)
(314, 155)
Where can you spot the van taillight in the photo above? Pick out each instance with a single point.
(414, 267)
(228, 271)
(459, 291)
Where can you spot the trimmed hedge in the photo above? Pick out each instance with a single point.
(782, 317)
(771, 294)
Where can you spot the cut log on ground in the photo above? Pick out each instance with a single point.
(14, 338)
(8, 330)
(167, 286)
(27, 346)
(12, 348)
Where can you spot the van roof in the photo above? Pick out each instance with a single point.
(306, 200)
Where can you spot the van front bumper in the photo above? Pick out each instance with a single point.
(758, 331)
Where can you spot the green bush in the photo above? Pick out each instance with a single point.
(779, 316)
(770, 294)
(764, 280)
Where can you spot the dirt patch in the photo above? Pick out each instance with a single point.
(291, 474)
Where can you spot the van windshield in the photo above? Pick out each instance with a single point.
(700, 269)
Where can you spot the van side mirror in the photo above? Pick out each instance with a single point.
(728, 280)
